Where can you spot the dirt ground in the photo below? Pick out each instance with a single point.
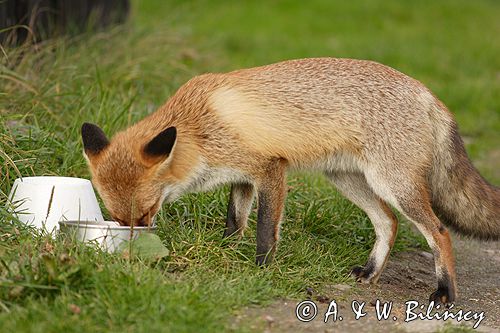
(408, 276)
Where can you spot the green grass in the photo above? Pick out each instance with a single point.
(116, 77)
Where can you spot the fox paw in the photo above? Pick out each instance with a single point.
(232, 233)
(442, 296)
(362, 274)
(228, 233)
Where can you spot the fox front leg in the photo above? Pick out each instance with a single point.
(271, 192)
(239, 207)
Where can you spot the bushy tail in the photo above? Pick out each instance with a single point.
(461, 198)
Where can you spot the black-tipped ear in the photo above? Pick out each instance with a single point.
(94, 139)
(162, 144)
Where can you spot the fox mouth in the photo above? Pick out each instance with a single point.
(146, 220)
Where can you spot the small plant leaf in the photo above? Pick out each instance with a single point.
(146, 246)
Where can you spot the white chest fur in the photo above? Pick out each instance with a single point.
(205, 178)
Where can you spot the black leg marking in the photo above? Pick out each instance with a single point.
(231, 227)
(240, 204)
(266, 238)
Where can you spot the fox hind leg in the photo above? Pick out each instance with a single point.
(355, 188)
(412, 198)
(438, 238)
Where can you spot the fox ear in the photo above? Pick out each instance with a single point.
(160, 148)
(94, 139)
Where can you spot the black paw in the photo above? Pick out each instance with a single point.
(442, 296)
(362, 274)
(228, 233)
(263, 259)
(358, 272)
(232, 233)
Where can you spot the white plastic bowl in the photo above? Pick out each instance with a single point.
(108, 234)
(44, 201)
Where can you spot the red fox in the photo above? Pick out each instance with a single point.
(381, 137)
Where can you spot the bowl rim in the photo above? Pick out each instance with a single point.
(102, 225)
(52, 180)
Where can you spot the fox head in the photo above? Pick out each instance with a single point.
(129, 174)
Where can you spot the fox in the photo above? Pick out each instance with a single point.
(382, 138)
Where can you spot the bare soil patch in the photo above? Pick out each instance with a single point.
(408, 276)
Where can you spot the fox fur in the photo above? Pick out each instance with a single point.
(381, 137)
